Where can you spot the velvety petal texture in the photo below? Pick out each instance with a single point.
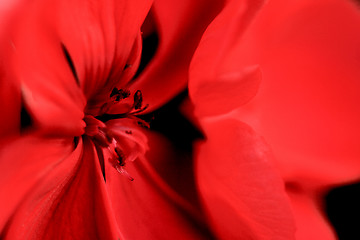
(26, 168)
(66, 200)
(242, 192)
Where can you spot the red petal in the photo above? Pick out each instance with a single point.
(241, 190)
(104, 40)
(70, 202)
(216, 70)
(307, 106)
(10, 106)
(99, 36)
(149, 207)
(180, 27)
(221, 94)
(10, 99)
(309, 213)
(24, 163)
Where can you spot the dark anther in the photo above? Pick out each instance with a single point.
(124, 93)
(138, 100)
(128, 132)
(119, 94)
(114, 92)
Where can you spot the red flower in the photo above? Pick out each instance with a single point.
(266, 91)
(279, 90)
(70, 65)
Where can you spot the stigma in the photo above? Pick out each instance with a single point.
(118, 133)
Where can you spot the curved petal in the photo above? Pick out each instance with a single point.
(36, 66)
(24, 163)
(180, 27)
(102, 42)
(243, 193)
(59, 53)
(149, 207)
(216, 69)
(69, 203)
(306, 107)
(239, 87)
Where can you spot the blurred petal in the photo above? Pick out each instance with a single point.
(149, 207)
(70, 202)
(10, 106)
(215, 69)
(243, 194)
(57, 52)
(10, 117)
(103, 41)
(180, 27)
(25, 163)
(307, 105)
(238, 87)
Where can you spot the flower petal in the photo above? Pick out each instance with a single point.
(180, 27)
(104, 39)
(309, 214)
(307, 105)
(68, 203)
(10, 98)
(10, 107)
(239, 87)
(25, 162)
(216, 69)
(148, 207)
(61, 53)
(242, 192)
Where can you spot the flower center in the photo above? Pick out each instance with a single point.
(117, 133)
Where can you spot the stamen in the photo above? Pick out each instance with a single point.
(140, 110)
(122, 171)
(119, 94)
(102, 138)
(138, 100)
(121, 156)
(98, 131)
(136, 108)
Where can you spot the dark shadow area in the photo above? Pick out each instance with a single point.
(343, 210)
(178, 168)
(71, 63)
(149, 47)
(169, 121)
(25, 118)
